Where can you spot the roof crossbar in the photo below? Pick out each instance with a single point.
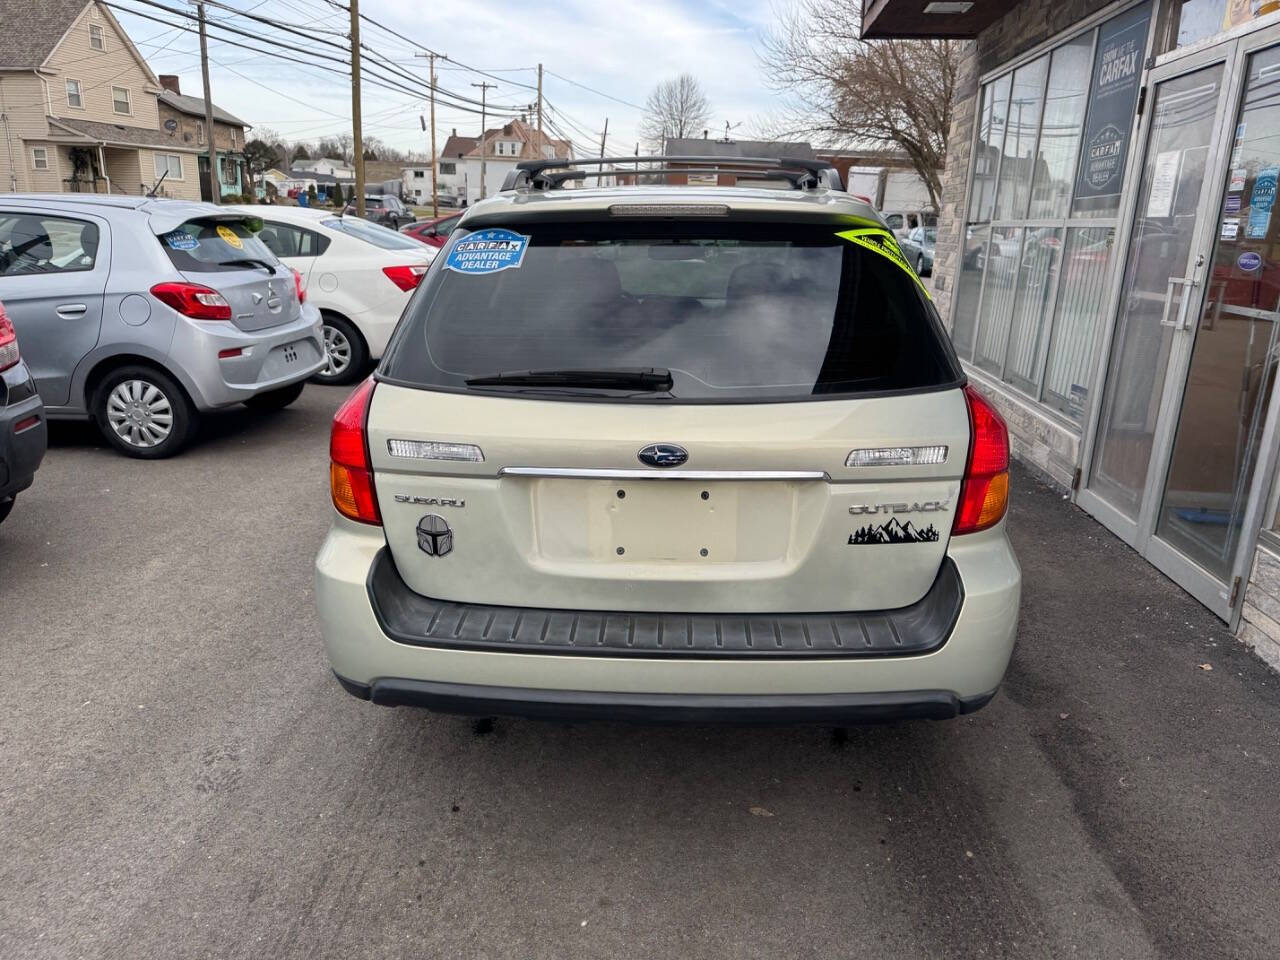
(551, 174)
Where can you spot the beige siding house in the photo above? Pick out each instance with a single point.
(79, 107)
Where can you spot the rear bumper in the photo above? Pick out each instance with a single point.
(827, 708)
(959, 675)
(264, 362)
(20, 452)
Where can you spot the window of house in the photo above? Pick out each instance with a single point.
(73, 94)
(168, 163)
(199, 131)
(227, 170)
(448, 169)
(233, 138)
(40, 158)
(120, 100)
(419, 174)
(1043, 201)
(96, 40)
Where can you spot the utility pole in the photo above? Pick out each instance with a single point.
(484, 139)
(357, 137)
(540, 107)
(435, 167)
(215, 189)
(603, 136)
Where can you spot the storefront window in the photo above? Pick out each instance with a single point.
(1003, 254)
(1201, 19)
(1026, 104)
(986, 155)
(1037, 284)
(1077, 318)
(1050, 154)
(1064, 106)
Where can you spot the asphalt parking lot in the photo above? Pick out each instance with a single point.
(183, 778)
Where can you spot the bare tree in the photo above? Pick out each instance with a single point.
(676, 108)
(886, 93)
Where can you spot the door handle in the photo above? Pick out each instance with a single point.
(69, 310)
(1188, 284)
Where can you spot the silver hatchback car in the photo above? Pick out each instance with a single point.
(139, 313)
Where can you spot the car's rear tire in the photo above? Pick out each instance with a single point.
(6, 507)
(143, 413)
(345, 353)
(276, 399)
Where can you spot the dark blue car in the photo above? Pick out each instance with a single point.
(23, 435)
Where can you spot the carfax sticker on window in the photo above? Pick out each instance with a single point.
(181, 240)
(487, 251)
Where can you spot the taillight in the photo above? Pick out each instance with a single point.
(297, 285)
(406, 278)
(8, 341)
(193, 300)
(984, 492)
(350, 473)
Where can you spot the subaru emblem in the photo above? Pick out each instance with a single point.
(663, 455)
(435, 539)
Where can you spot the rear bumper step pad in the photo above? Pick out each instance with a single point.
(411, 618)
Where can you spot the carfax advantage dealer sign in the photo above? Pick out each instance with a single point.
(1113, 98)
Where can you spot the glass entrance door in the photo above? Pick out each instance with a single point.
(1186, 414)
(1161, 270)
(1205, 493)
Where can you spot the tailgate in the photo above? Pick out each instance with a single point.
(764, 516)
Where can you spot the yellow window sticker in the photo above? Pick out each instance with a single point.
(885, 244)
(229, 235)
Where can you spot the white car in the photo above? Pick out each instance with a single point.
(359, 275)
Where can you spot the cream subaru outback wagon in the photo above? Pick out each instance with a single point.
(671, 453)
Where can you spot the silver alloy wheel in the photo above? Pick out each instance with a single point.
(140, 413)
(337, 352)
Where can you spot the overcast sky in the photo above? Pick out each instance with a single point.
(620, 48)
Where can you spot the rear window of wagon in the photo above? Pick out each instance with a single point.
(737, 312)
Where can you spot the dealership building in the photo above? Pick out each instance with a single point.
(1109, 266)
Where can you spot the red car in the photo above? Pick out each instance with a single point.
(433, 231)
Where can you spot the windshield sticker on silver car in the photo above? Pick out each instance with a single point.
(181, 240)
(487, 251)
(885, 244)
(894, 532)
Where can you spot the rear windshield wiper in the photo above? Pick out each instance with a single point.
(654, 379)
(251, 261)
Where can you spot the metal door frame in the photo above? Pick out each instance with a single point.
(1225, 600)
(1136, 532)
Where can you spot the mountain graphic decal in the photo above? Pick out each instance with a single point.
(894, 532)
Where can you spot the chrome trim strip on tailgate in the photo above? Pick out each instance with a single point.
(597, 474)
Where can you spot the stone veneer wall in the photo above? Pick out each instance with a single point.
(1260, 621)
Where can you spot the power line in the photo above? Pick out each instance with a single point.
(599, 93)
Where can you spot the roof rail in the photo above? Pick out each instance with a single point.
(552, 174)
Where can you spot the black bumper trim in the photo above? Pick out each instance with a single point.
(766, 708)
(408, 617)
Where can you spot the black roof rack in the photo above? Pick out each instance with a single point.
(552, 174)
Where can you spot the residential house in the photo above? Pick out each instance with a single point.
(182, 120)
(498, 150)
(326, 166)
(80, 108)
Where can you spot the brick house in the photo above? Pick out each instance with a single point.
(1109, 267)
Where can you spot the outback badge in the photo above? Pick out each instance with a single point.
(435, 539)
